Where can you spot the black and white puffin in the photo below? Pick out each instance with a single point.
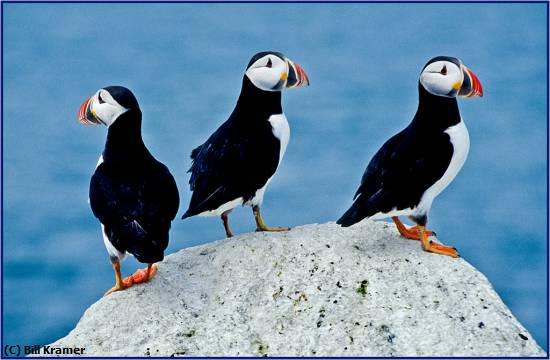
(415, 165)
(235, 165)
(133, 195)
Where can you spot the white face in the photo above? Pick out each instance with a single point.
(268, 73)
(105, 107)
(442, 78)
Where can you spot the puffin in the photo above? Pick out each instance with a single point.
(418, 163)
(236, 163)
(133, 195)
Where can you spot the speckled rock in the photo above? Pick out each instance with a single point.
(315, 290)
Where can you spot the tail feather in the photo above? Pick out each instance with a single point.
(352, 216)
(146, 246)
(365, 206)
(149, 249)
(195, 152)
(187, 214)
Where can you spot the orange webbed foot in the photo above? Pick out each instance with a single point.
(261, 226)
(271, 229)
(411, 233)
(434, 247)
(441, 249)
(140, 276)
(115, 288)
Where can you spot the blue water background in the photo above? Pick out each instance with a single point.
(185, 63)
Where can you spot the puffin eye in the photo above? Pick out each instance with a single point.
(444, 70)
(269, 64)
(101, 101)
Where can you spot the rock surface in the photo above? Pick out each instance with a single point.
(315, 290)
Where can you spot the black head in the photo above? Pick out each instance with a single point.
(123, 96)
(261, 54)
(106, 105)
(450, 59)
(272, 71)
(447, 76)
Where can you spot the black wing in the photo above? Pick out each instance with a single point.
(399, 174)
(235, 161)
(136, 208)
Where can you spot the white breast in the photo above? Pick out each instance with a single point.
(461, 145)
(100, 161)
(281, 130)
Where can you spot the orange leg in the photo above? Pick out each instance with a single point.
(140, 276)
(119, 284)
(430, 246)
(225, 219)
(410, 233)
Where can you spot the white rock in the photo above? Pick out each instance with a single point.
(298, 293)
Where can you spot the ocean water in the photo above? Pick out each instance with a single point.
(185, 62)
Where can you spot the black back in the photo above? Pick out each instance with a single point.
(240, 156)
(133, 195)
(408, 163)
